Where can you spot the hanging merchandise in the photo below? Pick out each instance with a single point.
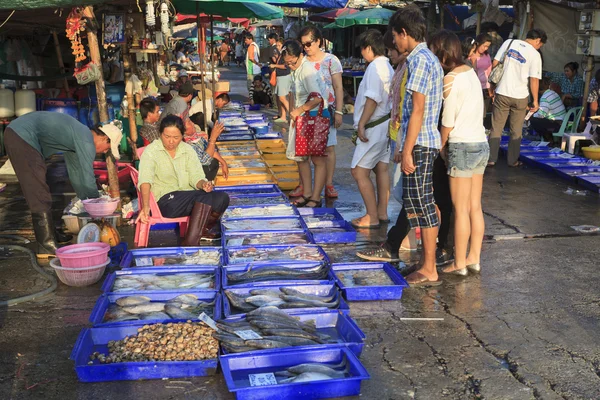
(89, 73)
(75, 25)
(164, 19)
(150, 17)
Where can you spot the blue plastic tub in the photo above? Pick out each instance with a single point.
(366, 293)
(233, 138)
(259, 129)
(142, 258)
(250, 189)
(275, 283)
(268, 135)
(265, 238)
(92, 340)
(237, 368)
(105, 300)
(273, 255)
(110, 279)
(338, 325)
(292, 220)
(293, 211)
(571, 172)
(313, 217)
(318, 290)
(327, 235)
(590, 182)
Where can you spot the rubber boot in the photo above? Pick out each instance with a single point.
(44, 234)
(212, 230)
(62, 237)
(198, 219)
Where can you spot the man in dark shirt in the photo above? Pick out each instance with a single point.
(150, 112)
(32, 138)
(180, 106)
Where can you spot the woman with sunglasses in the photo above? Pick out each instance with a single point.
(304, 82)
(329, 73)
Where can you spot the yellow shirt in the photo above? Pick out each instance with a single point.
(395, 125)
(166, 174)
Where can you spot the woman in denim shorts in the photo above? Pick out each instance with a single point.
(465, 149)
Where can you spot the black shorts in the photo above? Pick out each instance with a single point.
(180, 203)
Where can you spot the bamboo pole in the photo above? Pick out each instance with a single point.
(212, 67)
(61, 64)
(113, 180)
(133, 135)
(201, 38)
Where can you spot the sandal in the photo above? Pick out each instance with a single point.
(330, 192)
(301, 202)
(355, 224)
(298, 192)
(317, 204)
(517, 164)
(417, 279)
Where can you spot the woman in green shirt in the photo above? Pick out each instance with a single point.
(171, 172)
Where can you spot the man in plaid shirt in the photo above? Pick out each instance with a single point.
(421, 143)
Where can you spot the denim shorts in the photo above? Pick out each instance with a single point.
(467, 159)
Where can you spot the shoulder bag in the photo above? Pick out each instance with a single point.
(312, 132)
(498, 70)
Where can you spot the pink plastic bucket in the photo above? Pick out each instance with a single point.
(79, 276)
(83, 255)
(99, 210)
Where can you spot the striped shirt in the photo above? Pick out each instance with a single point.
(551, 107)
(425, 76)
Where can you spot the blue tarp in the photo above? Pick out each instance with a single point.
(318, 4)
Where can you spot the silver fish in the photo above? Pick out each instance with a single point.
(155, 315)
(178, 313)
(187, 299)
(265, 292)
(261, 300)
(132, 300)
(145, 308)
(320, 368)
(307, 377)
(265, 344)
(297, 293)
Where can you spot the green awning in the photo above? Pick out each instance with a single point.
(231, 9)
(372, 16)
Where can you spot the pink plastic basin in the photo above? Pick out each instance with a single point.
(83, 255)
(100, 209)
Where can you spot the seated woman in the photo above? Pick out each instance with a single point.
(171, 171)
(571, 84)
(550, 115)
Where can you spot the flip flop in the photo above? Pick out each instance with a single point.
(318, 204)
(301, 202)
(384, 221)
(420, 280)
(517, 164)
(355, 224)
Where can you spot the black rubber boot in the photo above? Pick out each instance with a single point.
(212, 230)
(198, 218)
(44, 234)
(62, 237)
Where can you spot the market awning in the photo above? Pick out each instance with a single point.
(230, 9)
(372, 16)
(274, 22)
(331, 15)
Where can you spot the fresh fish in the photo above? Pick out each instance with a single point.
(293, 333)
(237, 349)
(291, 300)
(128, 317)
(291, 340)
(228, 339)
(232, 329)
(320, 368)
(271, 324)
(155, 315)
(238, 301)
(145, 308)
(277, 272)
(307, 377)
(132, 300)
(187, 299)
(178, 313)
(296, 293)
(265, 292)
(265, 344)
(263, 300)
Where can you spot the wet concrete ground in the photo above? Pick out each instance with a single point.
(527, 327)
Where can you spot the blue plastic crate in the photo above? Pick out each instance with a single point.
(366, 293)
(110, 279)
(292, 219)
(590, 182)
(327, 235)
(250, 189)
(272, 256)
(258, 199)
(293, 211)
(92, 340)
(266, 238)
(268, 135)
(317, 290)
(130, 258)
(105, 300)
(342, 329)
(274, 283)
(236, 370)
(233, 138)
(312, 217)
(572, 172)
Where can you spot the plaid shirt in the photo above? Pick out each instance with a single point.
(425, 76)
(594, 91)
(150, 132)
(575, 88)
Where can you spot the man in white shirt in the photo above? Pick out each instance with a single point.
(522, 72)
(252, 60)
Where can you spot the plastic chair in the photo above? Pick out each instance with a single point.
(142, 231)
(574, 112)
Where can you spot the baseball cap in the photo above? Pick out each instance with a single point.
(115, 135)
(186, 89)
(182, 72)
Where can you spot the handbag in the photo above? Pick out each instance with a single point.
(88, 74)
(312, 132)
(273, 79)
(498, 70)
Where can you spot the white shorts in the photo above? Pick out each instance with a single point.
(368, 155)
(284, 85)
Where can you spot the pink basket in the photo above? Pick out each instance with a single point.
(79, 276)
(83, 255)
(100, 209)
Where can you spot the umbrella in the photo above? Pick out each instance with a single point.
(208, 38)
(372, 16)
(329, 16)
(231, 9)
(191, 31)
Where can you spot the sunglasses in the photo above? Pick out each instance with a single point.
(307, 44)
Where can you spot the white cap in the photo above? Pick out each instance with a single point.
(115, 135)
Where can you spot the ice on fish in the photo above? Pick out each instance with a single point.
(281, 224)
(145, 282)
(376, 277)
(304, 253)
(186, 306)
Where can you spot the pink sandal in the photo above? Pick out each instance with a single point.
(298, 192)
(330, 192)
